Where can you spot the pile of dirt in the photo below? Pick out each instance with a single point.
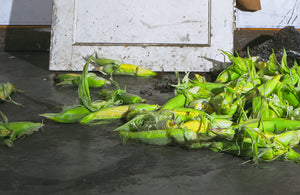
(288, 38)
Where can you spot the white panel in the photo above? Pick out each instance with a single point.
(136, 21)
(69, 43)
(274, 14)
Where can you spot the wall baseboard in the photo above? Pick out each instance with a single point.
(25, 38)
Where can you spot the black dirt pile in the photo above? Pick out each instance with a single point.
(288, 38)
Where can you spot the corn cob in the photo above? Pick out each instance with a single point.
(122, 96)
(134, 124)
(14, 130)
(223, 103)
(160, 137)
(295, 114)
(140, 109)
(289, 138)
(289, 94)
(197, 126)
(185, 114)
(182, 136)
(152, 137)
(224, 133)
(150, 121)
(269, 87)
(114, 112)
(202, 105)
(118, 68)
(260, 108)
(275, 125)
(270, 67)
(6, 89)
(267, 153)
(176, 102)
(243, 84)
(270, 154)
(213, 87)
(68, 115)
(72, 78)
(227, 75)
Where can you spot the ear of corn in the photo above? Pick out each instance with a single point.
(96, 81)
(6, 89)
(14, 130)
(197, 126)
(268, 88)
(224, 133)
(223, 103)
(69, 114)
(126, 69)
(202, 105)
(122, 96)
(118, 68)
(143, 72)
(115, 112)
(186, 114)
(175, 102)
(289, 94)
(227, 75)
(71, 78)
(182, 136)
(153, 137)
(275, 125)
(140, 109)
(289, 138)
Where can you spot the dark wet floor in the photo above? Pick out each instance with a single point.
(76, 159)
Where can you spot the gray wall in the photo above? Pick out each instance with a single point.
(25, 12)
(274, 14)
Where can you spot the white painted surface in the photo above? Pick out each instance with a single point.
(136, 21)
(163, 41)
(274, 14)
(25, 12)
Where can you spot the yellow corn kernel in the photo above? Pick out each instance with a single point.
(112, 112)
(129, 68)
(196, 126)
(4, 132)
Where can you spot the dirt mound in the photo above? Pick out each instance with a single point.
(288, 38)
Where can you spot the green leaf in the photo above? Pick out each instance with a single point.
(83, 88)
(4, 118)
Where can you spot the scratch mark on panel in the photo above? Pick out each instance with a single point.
(290, 17)
(149, 26)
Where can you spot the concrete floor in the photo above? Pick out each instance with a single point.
(76, 159)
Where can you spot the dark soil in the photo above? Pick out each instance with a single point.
(288, 38)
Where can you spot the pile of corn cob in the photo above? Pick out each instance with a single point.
(113, 104)
(251, 110)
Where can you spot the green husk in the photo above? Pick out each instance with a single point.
(6, 89)
(11, 131)
(122, 96)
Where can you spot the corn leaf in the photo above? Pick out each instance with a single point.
(83, 89)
